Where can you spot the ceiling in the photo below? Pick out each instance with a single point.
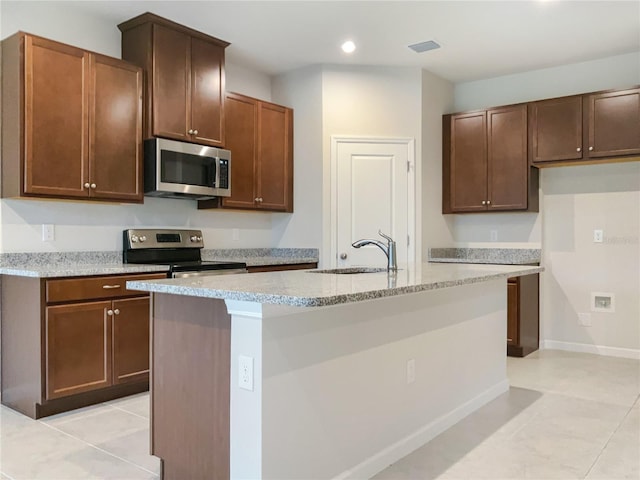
(479, 39)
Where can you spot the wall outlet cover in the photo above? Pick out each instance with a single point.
(598, 236)
(603, 302)
(245, 372)
(48, 233)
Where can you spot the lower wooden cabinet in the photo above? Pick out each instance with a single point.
(72, 342)
(523, 319)
(278, 268)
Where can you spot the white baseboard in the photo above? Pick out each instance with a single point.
(405, 446)
(588, 348)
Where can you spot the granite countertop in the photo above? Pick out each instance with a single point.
(494, 256)
(263, 256)
(78, 264)
(311, 289)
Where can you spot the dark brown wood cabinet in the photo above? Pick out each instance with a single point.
(72, 342)
(523, 315)
(71, 125)
(185, 79)
(590, 128)
(260, 135)
(281, 267)
(485, 166)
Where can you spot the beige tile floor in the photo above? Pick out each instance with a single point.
(566, 416)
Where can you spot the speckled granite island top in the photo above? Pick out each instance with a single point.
(307, 288)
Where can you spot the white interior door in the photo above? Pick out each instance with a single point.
(374, 190)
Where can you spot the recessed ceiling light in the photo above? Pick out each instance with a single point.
(348, 47)
(424, 46)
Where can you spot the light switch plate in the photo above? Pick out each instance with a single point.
(598, 236)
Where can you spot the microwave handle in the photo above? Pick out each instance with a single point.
(215, 172)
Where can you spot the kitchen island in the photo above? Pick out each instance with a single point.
(320, 375)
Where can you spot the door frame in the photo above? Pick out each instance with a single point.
(336, 140)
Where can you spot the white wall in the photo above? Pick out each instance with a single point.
(578, 200)
(437, 99)
(574, 200)
(369, 101)
(93, 226)
(302, 90)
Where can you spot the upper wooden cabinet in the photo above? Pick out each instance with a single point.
(260, 137)
(485, 162)
(77, 133)
(185, 79)
(585, 128)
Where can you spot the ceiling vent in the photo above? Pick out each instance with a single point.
(424, 46)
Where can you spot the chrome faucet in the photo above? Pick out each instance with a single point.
(389, 249)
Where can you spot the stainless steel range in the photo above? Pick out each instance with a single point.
(180, 249)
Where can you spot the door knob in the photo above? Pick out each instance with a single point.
(343, 256)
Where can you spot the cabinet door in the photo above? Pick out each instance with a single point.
(78, 348)
(507, 158)
(56, 119)
(556, 129)
(115, 141)
(130, 340)
(512, 313)
(469, 162)
(241, 130)
(614, 123)
(207, 81)
(171, 83)
(275, 165)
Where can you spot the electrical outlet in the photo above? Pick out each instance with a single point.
(598, 236)
(411, 371)
(494, 235)
(48, 233)
(245, 372)
(584, 319)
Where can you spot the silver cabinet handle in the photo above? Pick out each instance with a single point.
(110, 287)
(87, 185)
(483, 202)
(109, 312)
(195, 132)
(258, 199)
(93, 185)
(488, 202)
(578, 149)
(590, 149)
(343, 256)
(190, 132)
(117, 311)
(509, 340)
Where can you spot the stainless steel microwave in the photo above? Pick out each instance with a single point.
(185, 170)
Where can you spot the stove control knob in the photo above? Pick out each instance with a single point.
(194, 238)
(143, 238)
(134, 239)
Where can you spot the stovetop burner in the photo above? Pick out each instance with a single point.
(180, 249)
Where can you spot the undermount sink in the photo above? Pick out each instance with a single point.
(350, 270)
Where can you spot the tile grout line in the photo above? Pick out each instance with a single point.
(84, 415)
(610, 437)
(131, 413)
(101, 449)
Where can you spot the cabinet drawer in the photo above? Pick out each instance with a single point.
(87, 288)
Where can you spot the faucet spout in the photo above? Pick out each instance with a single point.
(389, 249)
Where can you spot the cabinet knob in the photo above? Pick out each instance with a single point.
(117, 311)
(483, 202)
(488, 202)
(93, 185)
(109, 312)
(258, 199)
(195, 132)
(578, 149)
(590, 149)
(190, 132)
(87, 185)
(343, 256)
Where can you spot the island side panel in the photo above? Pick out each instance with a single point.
(191, 339)
(334, 392)
(22, 377)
